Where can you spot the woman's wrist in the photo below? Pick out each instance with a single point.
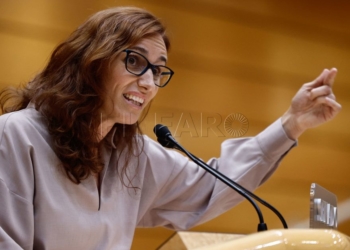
(290, 125)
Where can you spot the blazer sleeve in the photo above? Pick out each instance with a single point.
(189, 195)
(16, 186)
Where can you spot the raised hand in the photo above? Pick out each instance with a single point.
(313, 104)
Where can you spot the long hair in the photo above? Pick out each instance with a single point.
(69, 91)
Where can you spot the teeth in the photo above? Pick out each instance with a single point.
(134, 98)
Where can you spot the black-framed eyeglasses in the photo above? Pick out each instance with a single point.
(137, 64)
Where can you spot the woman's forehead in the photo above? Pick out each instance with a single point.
(152, 47)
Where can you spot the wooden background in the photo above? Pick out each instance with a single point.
(230, 57)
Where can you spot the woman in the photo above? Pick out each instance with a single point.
(77, 174)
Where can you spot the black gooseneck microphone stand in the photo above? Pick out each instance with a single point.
(165, 138)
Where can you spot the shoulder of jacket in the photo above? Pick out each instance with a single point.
(21, 121)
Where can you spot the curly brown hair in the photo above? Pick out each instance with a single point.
(69, 91)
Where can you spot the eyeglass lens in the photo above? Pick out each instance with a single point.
(137, 64)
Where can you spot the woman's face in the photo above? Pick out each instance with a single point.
(128, 94)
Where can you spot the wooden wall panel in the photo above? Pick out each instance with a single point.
(22, 58)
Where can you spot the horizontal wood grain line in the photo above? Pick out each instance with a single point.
(290, 28)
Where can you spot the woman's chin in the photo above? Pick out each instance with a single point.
(127, 123)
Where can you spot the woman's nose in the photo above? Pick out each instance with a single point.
(146, 80)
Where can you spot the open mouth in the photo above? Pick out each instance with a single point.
(134, 99)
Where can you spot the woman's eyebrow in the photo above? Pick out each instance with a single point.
(145, 52)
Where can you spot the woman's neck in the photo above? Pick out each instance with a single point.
(106, 124)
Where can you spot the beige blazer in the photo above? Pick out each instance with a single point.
(40, 208)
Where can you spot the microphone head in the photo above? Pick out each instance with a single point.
(166, 143)
(161, 131)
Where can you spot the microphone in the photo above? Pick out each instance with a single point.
(162, 132)
(165, 138)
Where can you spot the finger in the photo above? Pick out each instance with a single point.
(323, 90)
(335, 106)
(329, 80)
(332, 96)
(319, 80)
